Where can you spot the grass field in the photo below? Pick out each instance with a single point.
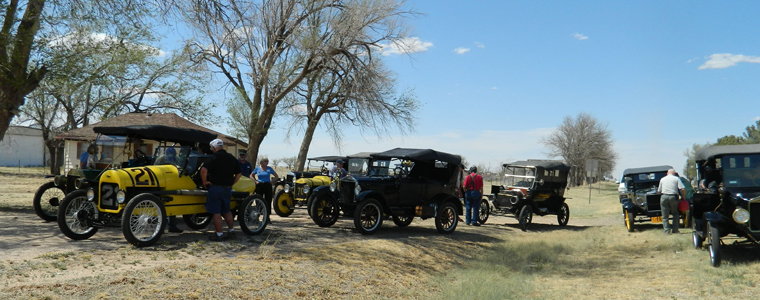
(594, 257)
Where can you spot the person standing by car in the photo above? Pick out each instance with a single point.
(337, 169)
(245, 166)
(262, 175)
(670, 187)
(92, 157)
(473, 185)
(218, 174)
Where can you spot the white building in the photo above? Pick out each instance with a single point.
(23, 146)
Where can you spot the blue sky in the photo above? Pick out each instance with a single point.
(496, 76)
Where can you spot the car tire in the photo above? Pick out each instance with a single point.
(324, 210)
(197, 221)
(368, 217)
(713, 245)
(563, 216)
(697, 240)
(402, 221)
(253, 215)
(46, 201)
(143, 220)
(629, 220)
(283, 205)
(75, 215)
(485, 211)
(447, 219)
(525, 217)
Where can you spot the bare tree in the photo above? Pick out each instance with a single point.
(364, 97)
(265, 48)
(578, 139)
(290, 162)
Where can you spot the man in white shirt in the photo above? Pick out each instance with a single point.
(670, 187)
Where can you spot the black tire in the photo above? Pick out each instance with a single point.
(143, 220)
(697, 239)
(197, 221)
(324, 210)
(525, 217)
(447, 219)
(283, 203)
(485, 211)
(75, 216)
(629, 220)
(563, 216)
(46, 201)
(713, 245)
(402, 221)
(253, 215)
(368, 216)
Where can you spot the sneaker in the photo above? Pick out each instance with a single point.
(229, 236)
(676, 231)
(468, 224)
(216, 238)
(476, 224)
(175, 230)
(667, 232)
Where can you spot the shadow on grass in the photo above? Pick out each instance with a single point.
(544, 227)
(739, 254)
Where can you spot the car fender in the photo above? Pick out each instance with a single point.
(624, 200)
(628, 204)
(371, 194)
(439, 199)
(712, 216)
(318, 192)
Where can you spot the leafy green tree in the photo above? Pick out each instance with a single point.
(690, 170)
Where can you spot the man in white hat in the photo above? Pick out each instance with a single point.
(218, 174)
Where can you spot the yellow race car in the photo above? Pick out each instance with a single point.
(140, 199)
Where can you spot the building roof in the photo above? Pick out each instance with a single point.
(86, 133)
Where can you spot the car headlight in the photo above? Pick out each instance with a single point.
(306, 189)
(333, 186)
(121, 196)
(357, 189)
(286, 188)
(741, 216)
(90, 194)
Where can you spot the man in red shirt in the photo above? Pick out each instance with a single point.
(473, 185)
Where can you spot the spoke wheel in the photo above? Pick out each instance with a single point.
(253, 215)
(484, 212)
(368, 216)
(714, 245)
(564, 215)
(402, 221)
(447, 219)
(144, 220)
(75, 216)
(324, 210)
(283, 205)
(629, 218)
(525, 217)
(197, 221)
(46, 201)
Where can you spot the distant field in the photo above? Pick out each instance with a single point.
(594, 257)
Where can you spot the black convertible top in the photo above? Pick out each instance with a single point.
(159, 133)
(713, 151)
(654, 169)
(418, 154)
(545, 164)
(329, 158)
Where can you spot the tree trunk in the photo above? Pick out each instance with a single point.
(305, 143)
(52, 148)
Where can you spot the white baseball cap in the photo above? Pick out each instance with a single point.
(216, 143)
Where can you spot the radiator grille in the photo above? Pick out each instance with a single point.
(347, 191)
(754, 216)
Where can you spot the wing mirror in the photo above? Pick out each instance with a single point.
(541, 181)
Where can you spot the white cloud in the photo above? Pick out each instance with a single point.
(479, 45)
(405, 46)
(579, 36)
(494, 88)
(725, 60)
(756, 119)
(461, 50)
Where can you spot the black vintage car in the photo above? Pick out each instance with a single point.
(640, 198)
(296, 188)
(729, 199)
(401, 183)
(533, 187)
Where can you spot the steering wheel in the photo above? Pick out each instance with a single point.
(324, 170)
(400, 171)
(140, 157)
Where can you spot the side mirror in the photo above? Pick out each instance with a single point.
(541, 181)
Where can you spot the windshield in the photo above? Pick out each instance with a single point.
(519, 176)
(358, 166)
(171, 155)
(741, 170)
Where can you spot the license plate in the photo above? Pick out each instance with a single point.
(656, 219)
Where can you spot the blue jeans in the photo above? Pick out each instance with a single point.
(472, 206)
(218, 199)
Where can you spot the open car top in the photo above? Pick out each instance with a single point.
(654, 169)
(713, 151)
(418, 155)
(544, 164)
(159, 133)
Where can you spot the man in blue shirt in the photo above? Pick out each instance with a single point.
(83, 159)
(245, 166)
